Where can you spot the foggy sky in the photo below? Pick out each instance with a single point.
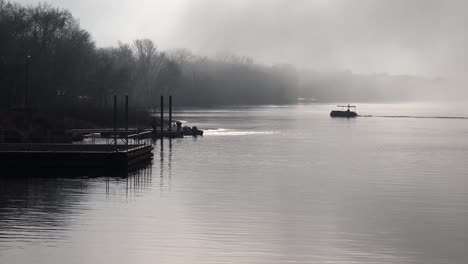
(419, 37)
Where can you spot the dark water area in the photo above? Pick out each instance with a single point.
(272, 184)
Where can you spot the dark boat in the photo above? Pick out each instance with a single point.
(192, 131)
(344, 113)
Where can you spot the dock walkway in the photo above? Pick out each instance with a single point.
(71, 156)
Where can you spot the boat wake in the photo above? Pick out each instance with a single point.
(232, 132)
(409, 116)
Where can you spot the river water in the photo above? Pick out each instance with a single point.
(271, 184)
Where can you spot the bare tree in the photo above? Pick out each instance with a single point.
(181, 56)
(144, 50)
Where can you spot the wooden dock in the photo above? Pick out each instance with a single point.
(15, 157)
(131, 133)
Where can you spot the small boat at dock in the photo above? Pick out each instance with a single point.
(191, 131)
(344, 113)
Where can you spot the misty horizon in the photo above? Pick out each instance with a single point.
(421, 38)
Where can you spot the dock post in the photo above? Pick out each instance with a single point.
(162, 116)
(170, 113)
(126, 120)
(115, 120)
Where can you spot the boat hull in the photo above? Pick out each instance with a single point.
(192, 131)
(347, 114)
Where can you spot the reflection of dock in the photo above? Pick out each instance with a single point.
(74, 156)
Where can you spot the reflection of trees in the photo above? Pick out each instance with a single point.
(29, 205)
(43, 208)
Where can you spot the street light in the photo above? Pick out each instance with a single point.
(28, 81)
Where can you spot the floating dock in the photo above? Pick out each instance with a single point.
(15, 157)
(135, 133)
(125, 149)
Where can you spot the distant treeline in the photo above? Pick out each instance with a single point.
(66, 68)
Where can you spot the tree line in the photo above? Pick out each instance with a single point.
(48, 60)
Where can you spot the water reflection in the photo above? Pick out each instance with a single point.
(138, 181)
(38, 208)
(161, 158)
(43, 208)
(165, 162)
(170, 159)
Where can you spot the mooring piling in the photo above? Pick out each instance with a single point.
(115, 119)
(162, 117)
(170, 112)
(126, 119)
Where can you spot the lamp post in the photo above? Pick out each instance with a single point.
(28, 81)
(26, 95)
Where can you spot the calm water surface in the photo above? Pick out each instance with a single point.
(264, 185)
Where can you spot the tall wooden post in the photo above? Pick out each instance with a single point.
(170, 112)
(115, 119)
(126, 119)
(162, 116)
